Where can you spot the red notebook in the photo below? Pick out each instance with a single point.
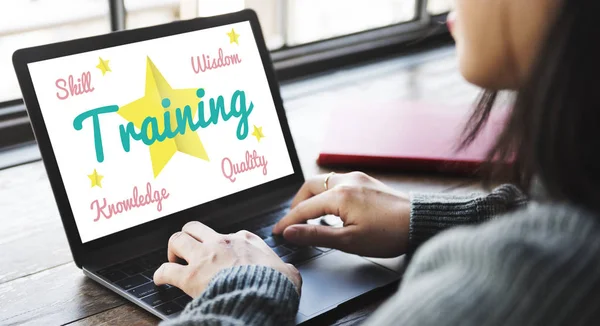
(406, 136)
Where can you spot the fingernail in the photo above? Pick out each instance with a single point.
(174, 236)
(291, 231)
(158, 270)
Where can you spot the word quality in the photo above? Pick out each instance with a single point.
(252, 161)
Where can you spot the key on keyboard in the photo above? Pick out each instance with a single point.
(281, 251)
(132, 282)
(169, 308)
(293, 247)
(149, 273)
(163, 296)
(148, 263)
(112, 275)
(146, 289)
(131, 268)
(184, 300)
(264, 232)
(274, 241)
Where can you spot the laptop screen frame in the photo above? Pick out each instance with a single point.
(21, 59)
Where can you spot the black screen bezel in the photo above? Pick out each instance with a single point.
(21, 59)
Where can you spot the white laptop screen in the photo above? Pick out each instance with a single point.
(148, 129)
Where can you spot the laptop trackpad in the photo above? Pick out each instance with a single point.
(336, 278)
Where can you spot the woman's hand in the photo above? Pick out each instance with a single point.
(207, 252)
(376, 217)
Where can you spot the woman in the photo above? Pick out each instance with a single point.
(522, 259)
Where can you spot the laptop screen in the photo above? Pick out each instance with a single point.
(147, 129)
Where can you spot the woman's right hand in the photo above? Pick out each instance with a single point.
(376, 217)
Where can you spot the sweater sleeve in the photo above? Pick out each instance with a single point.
(243, 295)
(432, 213)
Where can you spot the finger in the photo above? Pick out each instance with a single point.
(170, 273)
(319, 235)
(254, 239)
(199, 231)
(182, 245)
(319, 205)
(297, 279)
(248, 235)
(306, 191)
(315, 186)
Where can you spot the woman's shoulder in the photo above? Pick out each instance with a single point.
(535, 266)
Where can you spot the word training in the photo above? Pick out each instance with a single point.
(222, 61)
(135, 201)
(82, 86)
(253, 161)
(151, 131)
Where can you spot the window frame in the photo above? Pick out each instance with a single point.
(290, 62)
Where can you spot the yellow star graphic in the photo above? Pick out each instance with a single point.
(103, 66)
(233, 37)
(158, 93)
(96, 179)
(258, 133)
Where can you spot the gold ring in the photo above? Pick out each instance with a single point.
(326, 183)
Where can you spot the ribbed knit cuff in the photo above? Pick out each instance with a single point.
(250, 295)
(432, 213)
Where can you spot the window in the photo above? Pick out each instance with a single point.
(436, 7)
(142, 13)
(288, 23)
(305, 36)
(26, 23)
(313, 20)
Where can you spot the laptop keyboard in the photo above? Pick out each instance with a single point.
(135, 276)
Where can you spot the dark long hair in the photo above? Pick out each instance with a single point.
(553, 132)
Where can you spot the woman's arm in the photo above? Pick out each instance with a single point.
(432, 213)
(380, 221)
(243, 295)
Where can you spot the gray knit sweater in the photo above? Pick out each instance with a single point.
(505, 262)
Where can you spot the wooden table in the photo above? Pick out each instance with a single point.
(39, 283)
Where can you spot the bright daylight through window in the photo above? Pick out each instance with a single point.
(286, 23)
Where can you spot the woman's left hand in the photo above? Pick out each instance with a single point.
(207, 252)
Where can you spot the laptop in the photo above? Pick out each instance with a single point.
(144, 130)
